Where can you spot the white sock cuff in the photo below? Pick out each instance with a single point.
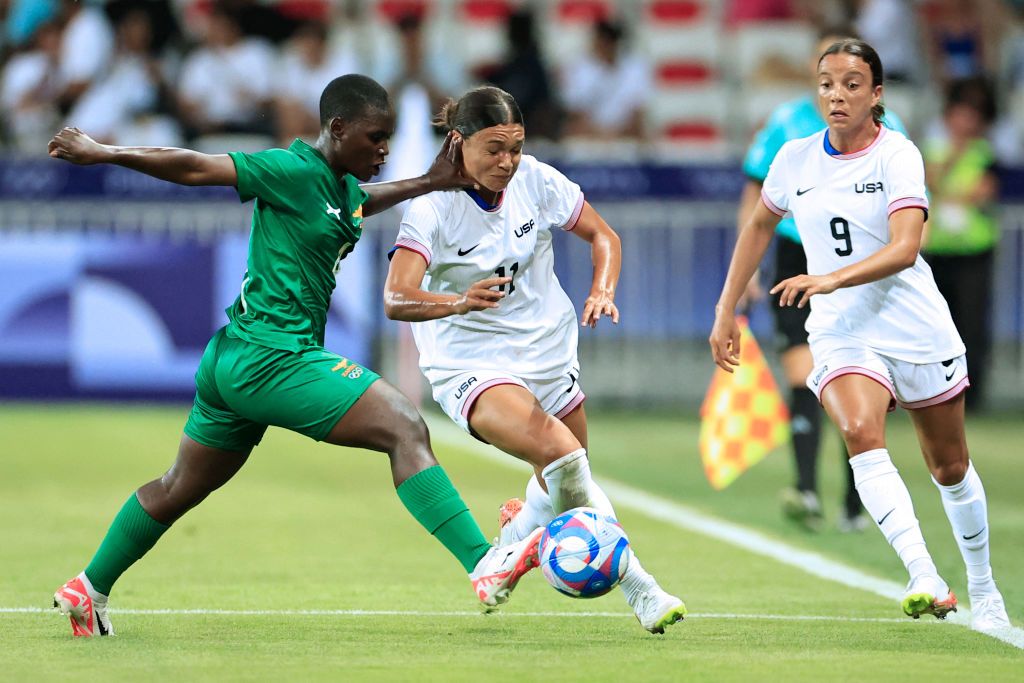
(566, 461)
(871, 464)
(962, 487)
(536, 493)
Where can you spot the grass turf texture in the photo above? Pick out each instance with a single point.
(312, 527)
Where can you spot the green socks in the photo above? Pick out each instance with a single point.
(131, 535)
(433, 501)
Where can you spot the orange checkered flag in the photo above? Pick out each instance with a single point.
(743, 416)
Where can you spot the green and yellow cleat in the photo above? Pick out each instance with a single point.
(928, 594)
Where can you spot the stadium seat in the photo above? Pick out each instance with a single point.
(477, 31)
(789, 41)
(565, 28)
(694, 119)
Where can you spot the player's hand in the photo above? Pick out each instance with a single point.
(597, 305)
(752, 294)
(446, 173)
(810, 285)
(725, 341)
(75, 146)
(480, 296)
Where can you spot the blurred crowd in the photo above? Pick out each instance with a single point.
(673, 75)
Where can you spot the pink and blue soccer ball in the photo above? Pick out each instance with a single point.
(583, 553)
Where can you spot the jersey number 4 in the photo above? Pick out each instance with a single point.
(841, 231)
(512, 270)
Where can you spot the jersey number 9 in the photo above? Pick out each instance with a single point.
(841, 231)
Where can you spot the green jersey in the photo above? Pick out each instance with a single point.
(305, 221)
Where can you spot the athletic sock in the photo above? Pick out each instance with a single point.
(805, 423)
(568, 480)
(887, 500)
(430, 497)
(131, 535)
(536, 511)
(967, 510)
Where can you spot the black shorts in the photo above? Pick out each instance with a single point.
(790, 321)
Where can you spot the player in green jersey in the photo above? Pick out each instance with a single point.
(268, 366)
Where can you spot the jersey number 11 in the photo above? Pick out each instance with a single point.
(500, 272)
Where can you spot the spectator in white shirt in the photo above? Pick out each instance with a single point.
(29, 87)
(606, 92)
(225, 84)
(310, 63)
(87, 45)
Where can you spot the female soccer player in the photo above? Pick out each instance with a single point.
(495, 331)
(267, 366)
(879, 331)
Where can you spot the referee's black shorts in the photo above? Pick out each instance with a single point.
(790, 321)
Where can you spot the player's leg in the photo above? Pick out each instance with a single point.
(940, 430)
(802, 503)
(215, 445)
(381, 418)
(858, 404)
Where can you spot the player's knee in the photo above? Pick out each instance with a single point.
(861, 435)
(950, 473)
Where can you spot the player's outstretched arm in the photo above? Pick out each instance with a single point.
(182, 166)
(606, 254)
(750, 247)
(404, 300)
(444, 174)
(906, 228)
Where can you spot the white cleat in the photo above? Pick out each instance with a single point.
(498, 572)
(928, 594)
(86, 608)
(988, 613)
(655, 609)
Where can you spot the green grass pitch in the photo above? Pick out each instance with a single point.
(311, 527)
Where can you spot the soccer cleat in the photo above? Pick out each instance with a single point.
(803, 507)
(852, 525)
(988, 613)
(655, 609)
(86, 608)
(509, 509)
(928, 594)
(498, 572)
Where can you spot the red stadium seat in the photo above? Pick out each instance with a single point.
(585, 11)
(305, 10)
(486, 11)
(693, 131)
(393, 10)
(683, 72)
(676, 11)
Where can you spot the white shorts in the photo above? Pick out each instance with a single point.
(457, 392)
(911, 385)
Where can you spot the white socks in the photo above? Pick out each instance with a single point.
(570, 485)
(968, 515)
(887, 500)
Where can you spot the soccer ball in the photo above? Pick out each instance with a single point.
(583, 553)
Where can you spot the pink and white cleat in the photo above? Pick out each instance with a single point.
(498, 572)
(86, 608)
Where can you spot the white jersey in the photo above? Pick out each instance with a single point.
(533, 331)
(841, 205)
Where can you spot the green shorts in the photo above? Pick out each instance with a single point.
(242, 388)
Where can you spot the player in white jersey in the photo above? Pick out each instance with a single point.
(495, 331)
(879, 330)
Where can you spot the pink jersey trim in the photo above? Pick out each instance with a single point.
(489, 384)
(857, 370)
(861, 152)
(412, 245)
(908, 203)
(771, 205)
(575, 217)
(579, 398)
(946, 395)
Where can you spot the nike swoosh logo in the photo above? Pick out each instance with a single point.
(950, 375)
(463, 253)
(879, 521)
(967, 538)
(800, 192)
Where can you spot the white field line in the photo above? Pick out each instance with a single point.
(671, 512)
(419, 613)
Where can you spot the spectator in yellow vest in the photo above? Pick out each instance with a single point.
(962, 232)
